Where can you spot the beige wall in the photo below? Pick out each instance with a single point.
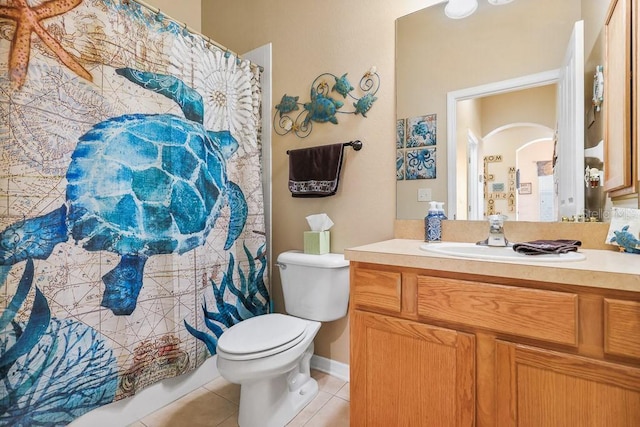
(594, 13)
(183, 11)
(309, 38)
(534, 105)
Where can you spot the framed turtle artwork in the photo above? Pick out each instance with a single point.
(624, 229)
(421, 131)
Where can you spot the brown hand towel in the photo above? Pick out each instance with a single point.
(315, 172)
(541, 247)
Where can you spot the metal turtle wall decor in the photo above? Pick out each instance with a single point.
(297, 118)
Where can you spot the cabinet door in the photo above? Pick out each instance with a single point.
(622, 328)
(537, 388)
(619, 173)
(404, 373)
(635, 60)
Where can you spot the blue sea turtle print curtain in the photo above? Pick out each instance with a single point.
(131, 213)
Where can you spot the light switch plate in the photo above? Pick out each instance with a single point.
(424, 194)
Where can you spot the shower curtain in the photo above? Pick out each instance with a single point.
(131, 211)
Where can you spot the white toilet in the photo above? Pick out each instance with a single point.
(269, 355)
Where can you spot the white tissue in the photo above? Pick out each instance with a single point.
(319, 222)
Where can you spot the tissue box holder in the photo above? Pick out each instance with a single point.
(316, 242)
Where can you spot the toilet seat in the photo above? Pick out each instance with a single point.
(261, 336)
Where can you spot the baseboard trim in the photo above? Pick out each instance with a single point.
(331, 367)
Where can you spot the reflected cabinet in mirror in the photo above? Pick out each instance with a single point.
(621, 127)
(494, 111)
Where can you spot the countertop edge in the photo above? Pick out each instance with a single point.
(601, 269)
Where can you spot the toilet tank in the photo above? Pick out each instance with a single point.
(315, 287)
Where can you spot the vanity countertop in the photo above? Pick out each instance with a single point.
(601, 268)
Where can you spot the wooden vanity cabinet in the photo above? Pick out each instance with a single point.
(432, 348)
(405, 372)
(410, 374)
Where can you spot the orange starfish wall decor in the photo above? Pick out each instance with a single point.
(27, 20)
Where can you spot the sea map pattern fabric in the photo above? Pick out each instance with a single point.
(132, 227)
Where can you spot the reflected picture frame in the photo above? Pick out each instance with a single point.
(525, 188)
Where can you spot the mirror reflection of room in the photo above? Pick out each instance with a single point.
(510, 165)
(437, 56)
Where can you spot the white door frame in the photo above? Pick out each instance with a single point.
(475, 194)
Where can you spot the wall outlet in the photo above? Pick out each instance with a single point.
(424, 194)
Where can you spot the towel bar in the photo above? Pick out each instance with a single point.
(356, 144)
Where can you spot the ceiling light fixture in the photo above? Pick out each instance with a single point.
(458, 9)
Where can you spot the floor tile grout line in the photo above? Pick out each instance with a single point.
(219, 395)
(320, 409)
(235, 414)
(342, 398)
(314, 412)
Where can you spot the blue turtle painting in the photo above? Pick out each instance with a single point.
(139, 185)
(626, 240)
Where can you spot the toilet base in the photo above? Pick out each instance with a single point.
(275, 401)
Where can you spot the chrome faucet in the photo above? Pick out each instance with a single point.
(496, 232)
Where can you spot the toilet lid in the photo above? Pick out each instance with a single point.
(259, 334)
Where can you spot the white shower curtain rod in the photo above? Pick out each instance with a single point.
(156, 10)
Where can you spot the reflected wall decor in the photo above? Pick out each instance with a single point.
(525, 188)
(416, 138)
(131, 211)
(421, 131)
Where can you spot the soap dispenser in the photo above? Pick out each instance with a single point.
(440, 206)
(433, 224)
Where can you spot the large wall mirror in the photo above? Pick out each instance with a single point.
(486, 106)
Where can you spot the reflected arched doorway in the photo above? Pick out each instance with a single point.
(494, 161)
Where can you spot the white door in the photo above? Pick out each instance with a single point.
(475, 189)
(568, 171)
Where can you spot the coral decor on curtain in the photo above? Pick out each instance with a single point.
(131, 211)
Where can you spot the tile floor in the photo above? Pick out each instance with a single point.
(216, 404)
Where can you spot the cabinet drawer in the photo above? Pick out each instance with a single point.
(533, 313)
(376, 289)
(622, 327)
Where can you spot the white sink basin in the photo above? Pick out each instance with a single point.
(471, 250)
